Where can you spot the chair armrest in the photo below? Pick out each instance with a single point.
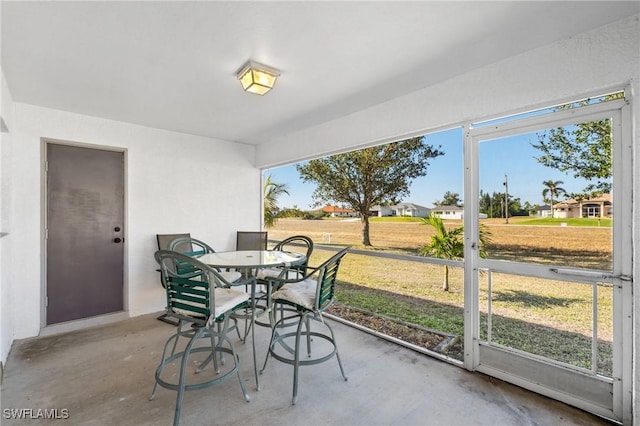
(281, 280)
(243, 281)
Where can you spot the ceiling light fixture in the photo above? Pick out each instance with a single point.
(257, 78)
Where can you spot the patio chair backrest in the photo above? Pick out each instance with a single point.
(189, 293)
(251, 240)
(327, 273)
(294, 244)
(164, 241)
(190, 247)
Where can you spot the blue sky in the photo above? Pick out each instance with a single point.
(513, 156)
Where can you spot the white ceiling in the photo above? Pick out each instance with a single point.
(172, 65)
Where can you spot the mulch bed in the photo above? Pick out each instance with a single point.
(445, 344)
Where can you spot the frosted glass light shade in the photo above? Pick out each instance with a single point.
(257, 78)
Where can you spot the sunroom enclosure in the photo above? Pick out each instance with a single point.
(223, 181)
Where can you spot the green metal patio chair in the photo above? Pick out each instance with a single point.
(164, 240)
(297, 243)
(251, 240)
(194, 248)
(310, 296)
(198, 294)
(270, 278)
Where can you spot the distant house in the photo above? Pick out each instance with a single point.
(401, 209)
(380, 211)
(335, 211)
(452, 212)
(592, 207)
(410, 209)
(448, 212)
(544, 211)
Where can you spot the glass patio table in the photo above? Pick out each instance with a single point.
(249, 262)
(252, 259)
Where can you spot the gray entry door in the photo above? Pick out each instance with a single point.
(85, 232)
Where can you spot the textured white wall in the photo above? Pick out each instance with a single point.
(601, 59)
(175, 183)
(6, 320)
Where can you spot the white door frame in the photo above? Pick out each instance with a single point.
(621, 278)
(46, 330)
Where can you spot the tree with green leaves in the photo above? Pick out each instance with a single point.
(447, 243)
(493, 205)
(529, 208)
(272, 191)
(368, 177)
(552, 189)
(485, 204)
(449, 199)
(583, 149)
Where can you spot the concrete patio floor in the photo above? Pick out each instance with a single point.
(104, 375)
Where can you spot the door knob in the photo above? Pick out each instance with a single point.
(117, 240)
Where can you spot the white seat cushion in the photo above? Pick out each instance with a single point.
(302, 293)
(227, 299)
(292, 274)
(231, 276)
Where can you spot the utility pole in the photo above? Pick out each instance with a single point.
(506, 199)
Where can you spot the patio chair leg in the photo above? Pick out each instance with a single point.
(175, 344)
(220, 327)
(308, 325)
(335, 344)
(271, 345)
(296, 360)
(161, 366)
(253, 343)
(210, 358)
(183, 374)
(236, 360)
(165, 318)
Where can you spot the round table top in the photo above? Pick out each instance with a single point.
(252, 258)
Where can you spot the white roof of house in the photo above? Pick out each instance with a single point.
(447, 208)
(410, 206)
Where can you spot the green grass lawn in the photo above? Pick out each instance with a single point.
(550, 318)
(544, 317)
(578, 221)
(395, 219)
(517, 220)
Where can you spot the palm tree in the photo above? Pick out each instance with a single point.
(272, 191)
(552, 189)
(448, 244)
